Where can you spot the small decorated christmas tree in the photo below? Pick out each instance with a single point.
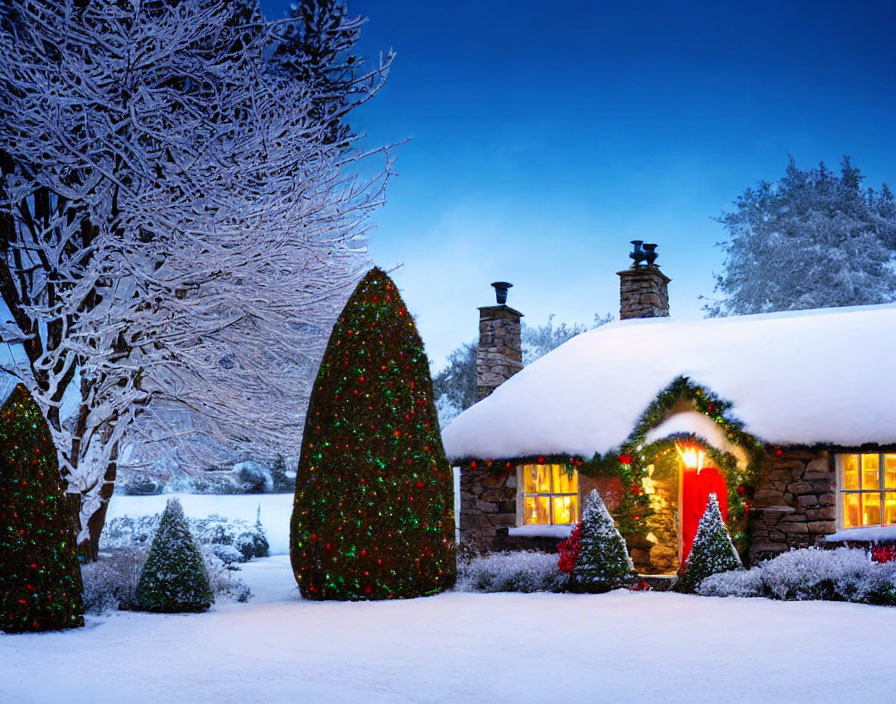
(173, 579)
(603, 562)
(374, 505)
(40, 578)
(712, 551)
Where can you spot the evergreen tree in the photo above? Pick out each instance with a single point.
(603, 562)
(373, 515)
(811, 240)
(712, 551)
(174, 578)
(40, 579)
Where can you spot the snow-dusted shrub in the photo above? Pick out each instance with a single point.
(712, 551)
(743, 583)
(603, 562)
(111, 582)
(844, 574)
(521, 571)
(247, 540)
(221, 578)
(174, 578)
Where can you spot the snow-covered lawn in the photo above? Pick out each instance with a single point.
(461, 647)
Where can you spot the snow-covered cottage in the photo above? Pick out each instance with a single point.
(790, 418)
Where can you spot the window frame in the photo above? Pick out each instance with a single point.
(521, 494)
(881, 491)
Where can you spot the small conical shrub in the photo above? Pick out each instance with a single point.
(40, 578)
(712, 551)
(173, 579)
(603, 562)
(374, 504)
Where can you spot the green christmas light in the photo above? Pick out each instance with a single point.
(40, 579)
(373, 514)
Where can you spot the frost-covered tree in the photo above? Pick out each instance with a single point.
(174, 578)
(603, 562)
(455, 385)
(177, 228)
(813, 239)
(712, 551)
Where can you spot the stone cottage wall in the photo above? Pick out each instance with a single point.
(795, 503)
(488, 503)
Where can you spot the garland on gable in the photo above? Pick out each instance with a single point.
(630, 462)
(635, 455)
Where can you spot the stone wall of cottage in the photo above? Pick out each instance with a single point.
(795, 502)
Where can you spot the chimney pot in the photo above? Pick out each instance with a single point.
(501, 291)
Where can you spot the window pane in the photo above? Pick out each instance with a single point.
(536, 479)
(890, 508)
(870, 472)
(565, 509)
(535, 510)
(850, 471)
(871, 509)
(851, 510)
(890, 471)
(565, 482)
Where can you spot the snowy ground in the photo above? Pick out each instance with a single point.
(467, 648)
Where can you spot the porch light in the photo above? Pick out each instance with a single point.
(692, 455)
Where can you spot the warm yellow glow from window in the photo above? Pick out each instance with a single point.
(550, 494)
(867, 484)
(692, 455)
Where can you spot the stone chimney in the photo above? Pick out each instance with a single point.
(500, 352)
(643, 288)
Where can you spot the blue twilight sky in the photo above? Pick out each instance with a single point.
(546, 135)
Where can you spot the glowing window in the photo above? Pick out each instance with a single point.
(550, 494)
(868, 489)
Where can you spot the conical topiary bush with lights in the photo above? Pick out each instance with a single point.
(40, 578)
(373, 514)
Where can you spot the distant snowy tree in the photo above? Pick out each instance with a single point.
(813, 239)
(712, 551)
(177, 228)
(603, 562)
(455, 385)
(538, 341)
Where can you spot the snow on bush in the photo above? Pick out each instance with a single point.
(844, 574)
(603, 562)
(743, 583)
(174, 577)
(712, 551)
(232, 540)
(110, 583)
(521, 571)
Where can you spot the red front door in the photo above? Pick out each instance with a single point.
(695, 491)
